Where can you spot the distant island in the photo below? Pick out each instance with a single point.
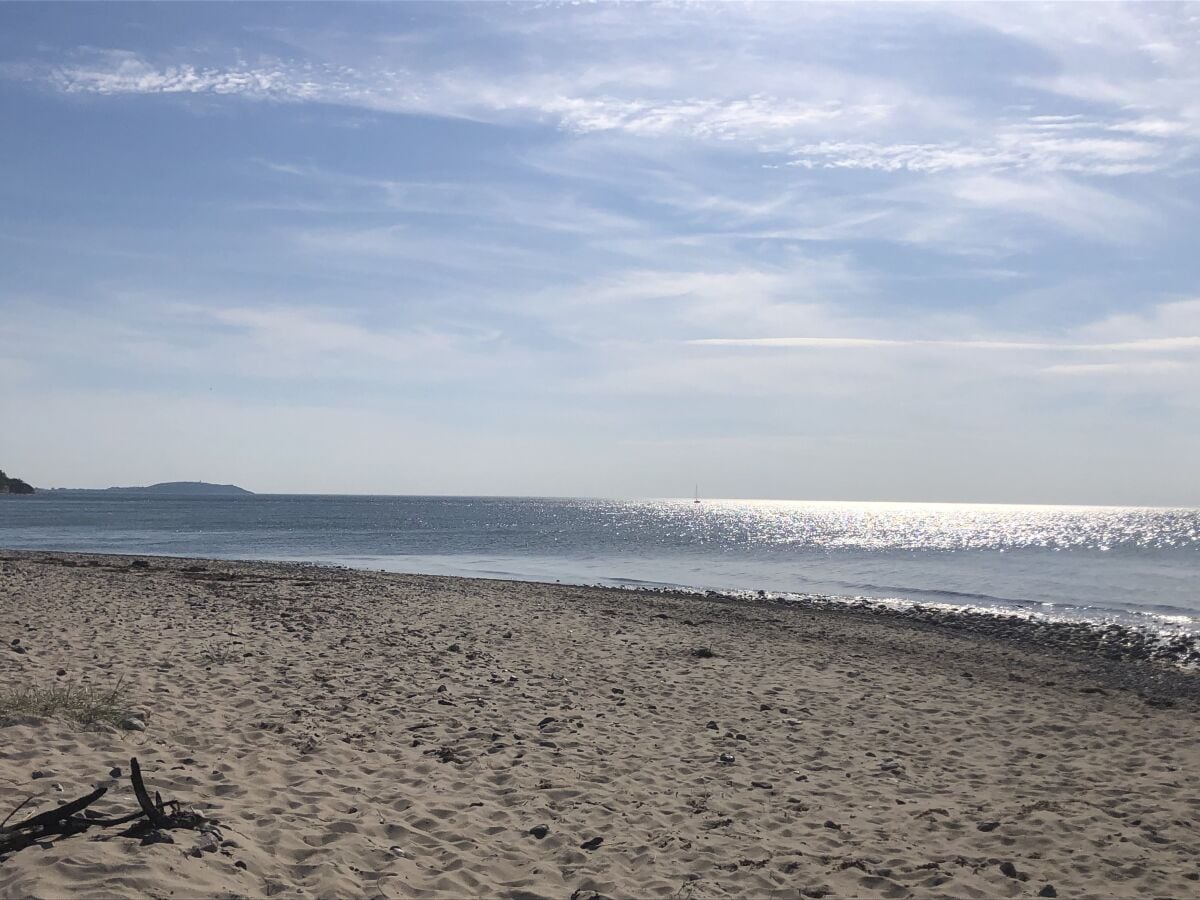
(14, 485)
(166, 488)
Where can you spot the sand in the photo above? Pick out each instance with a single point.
(364, 734)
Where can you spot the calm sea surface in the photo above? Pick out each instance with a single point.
(1137, 566)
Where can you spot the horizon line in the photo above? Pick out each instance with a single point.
(688, 499)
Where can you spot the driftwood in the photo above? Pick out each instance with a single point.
(67, 819)
(143, 798)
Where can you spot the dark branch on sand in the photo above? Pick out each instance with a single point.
(66, 819)
(20, 807)
(53, 816)
(143, 798)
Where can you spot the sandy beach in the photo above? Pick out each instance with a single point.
(368, 734)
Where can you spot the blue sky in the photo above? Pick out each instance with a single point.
(930, 252)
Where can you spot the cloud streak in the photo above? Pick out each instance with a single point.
(1145, 345)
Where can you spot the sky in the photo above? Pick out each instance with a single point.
(901, 252)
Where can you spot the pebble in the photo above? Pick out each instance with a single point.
(1047, 891)
(765, 785)
(1007, 868)
(158, 836)
(61, 672)
(712, 725)
(41, 773)
(988, 826)
(726, 759)
(539, 831)
(829, 823)
(591, 843)
(133, 724)
(115, 772)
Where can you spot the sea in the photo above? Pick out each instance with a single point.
(1138, 567)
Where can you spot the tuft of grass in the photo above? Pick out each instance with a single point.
(84, 704)
(220, 656)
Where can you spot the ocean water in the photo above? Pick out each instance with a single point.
(1105, 564)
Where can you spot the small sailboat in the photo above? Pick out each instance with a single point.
(697, 500)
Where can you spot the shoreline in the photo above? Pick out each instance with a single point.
(1055, 565)
(1154, 660)
(372, 734)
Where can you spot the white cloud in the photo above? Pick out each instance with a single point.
(317, 335)
(162, 338)
(1066, 204)
(578, 101)
(1137, 58)
(649, 305)
(1147, 345)
(1034, 146)
(755, 117)
(124, 72)
(1159, 323)
(493, 202)
(1151, 127)
(1118, 369)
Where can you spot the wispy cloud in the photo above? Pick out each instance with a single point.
(1147, 345)
(1071, 206)
(1118, 369)
(113, 72)
(1011, 148)
(578, 103)
(284, 343)
(1138, 59)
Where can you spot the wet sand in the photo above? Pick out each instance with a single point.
(369, 734)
